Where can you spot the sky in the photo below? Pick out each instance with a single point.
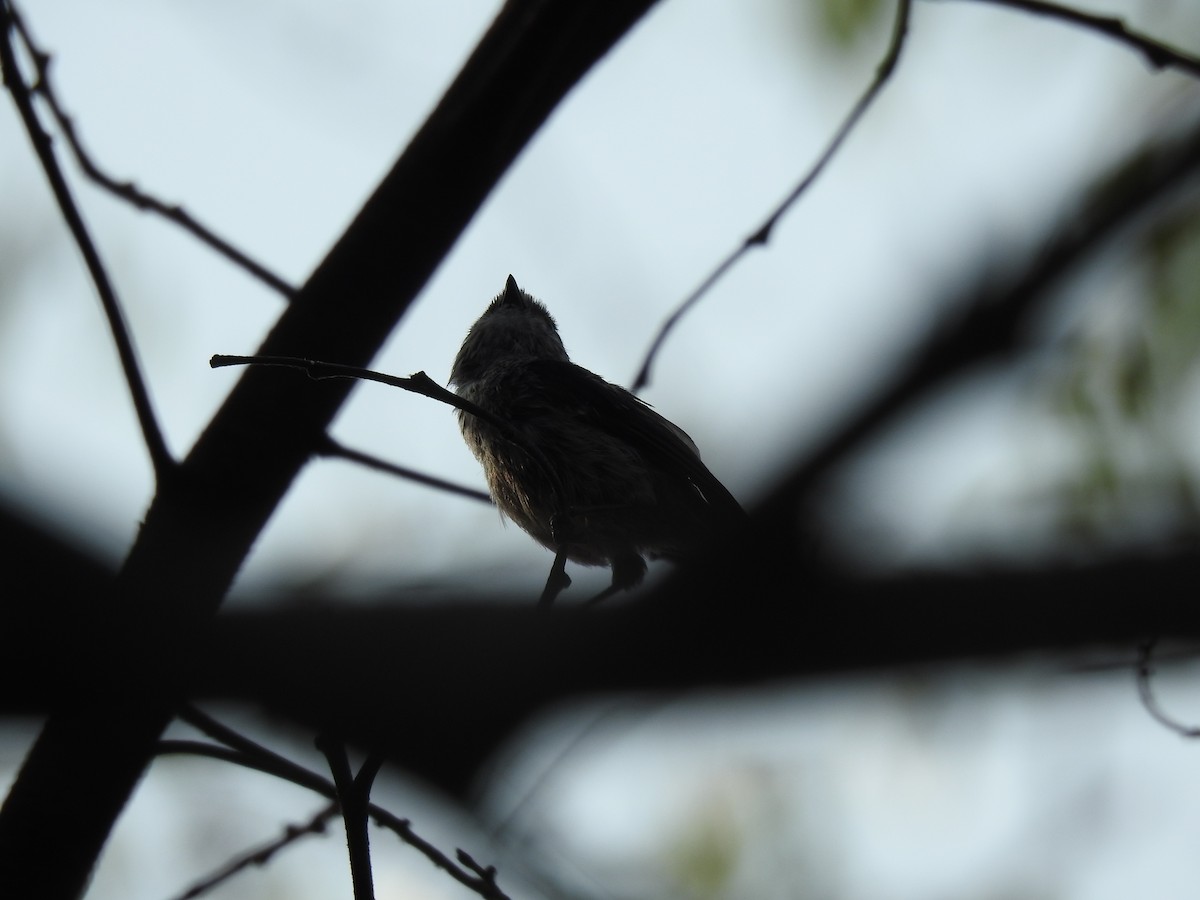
(272, 122)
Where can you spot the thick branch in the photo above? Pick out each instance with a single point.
(741, 620)
(993, 322)
(204, 520)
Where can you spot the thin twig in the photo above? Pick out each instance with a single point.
(333, 449)
(1145, 672)
(263, 854)
(246, 752)
(264, 761)
(487, 874)
(160, 455)
(762, 234)
(1157, 54)
(418, 382)
(127, 190)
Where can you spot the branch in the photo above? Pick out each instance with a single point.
(334, 450)
(417, 383)
(203, 522)
(1158, 55)
(263, 854)
(245, 752)
(744, 616)
(160, 456)
(353, 792)
(762, 234)
(742, 621)
(127, 190)
(1145, 675)
(993, 320)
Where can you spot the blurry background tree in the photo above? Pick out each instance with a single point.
(958, 389)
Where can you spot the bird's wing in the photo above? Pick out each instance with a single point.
(630, 419)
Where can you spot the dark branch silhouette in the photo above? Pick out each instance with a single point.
(127, 190)
(156, 444)
(747, 617)
(417, 383)
(204, 519)
(239, 749)
(331, 449)
(762, 234)
(993, 321)
(261, 855)
(354, 795)
(1145, 678)
(1157, 54)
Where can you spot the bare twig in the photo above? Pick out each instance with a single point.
(333, 449)
(487, 874)
(263, 854)
(1145, 672)
(245, 752)
(1157, 54)
(418, 382)
(762, 234)
(156, 445)
(127, 190)
(262, 760)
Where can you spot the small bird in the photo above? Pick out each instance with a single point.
(585, 467)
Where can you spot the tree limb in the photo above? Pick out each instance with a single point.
(204, 519)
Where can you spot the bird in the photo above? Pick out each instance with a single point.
(586, 468)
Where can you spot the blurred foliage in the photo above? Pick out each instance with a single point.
(843, 22)
(1129, 397)
(707, 853)
(833, 25)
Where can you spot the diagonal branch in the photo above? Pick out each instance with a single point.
(127, 190)
(160, 456)
(263, 854)
(203, 521)
(991, 322)
(332, 449)
(1157, 54)
(762, 234)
